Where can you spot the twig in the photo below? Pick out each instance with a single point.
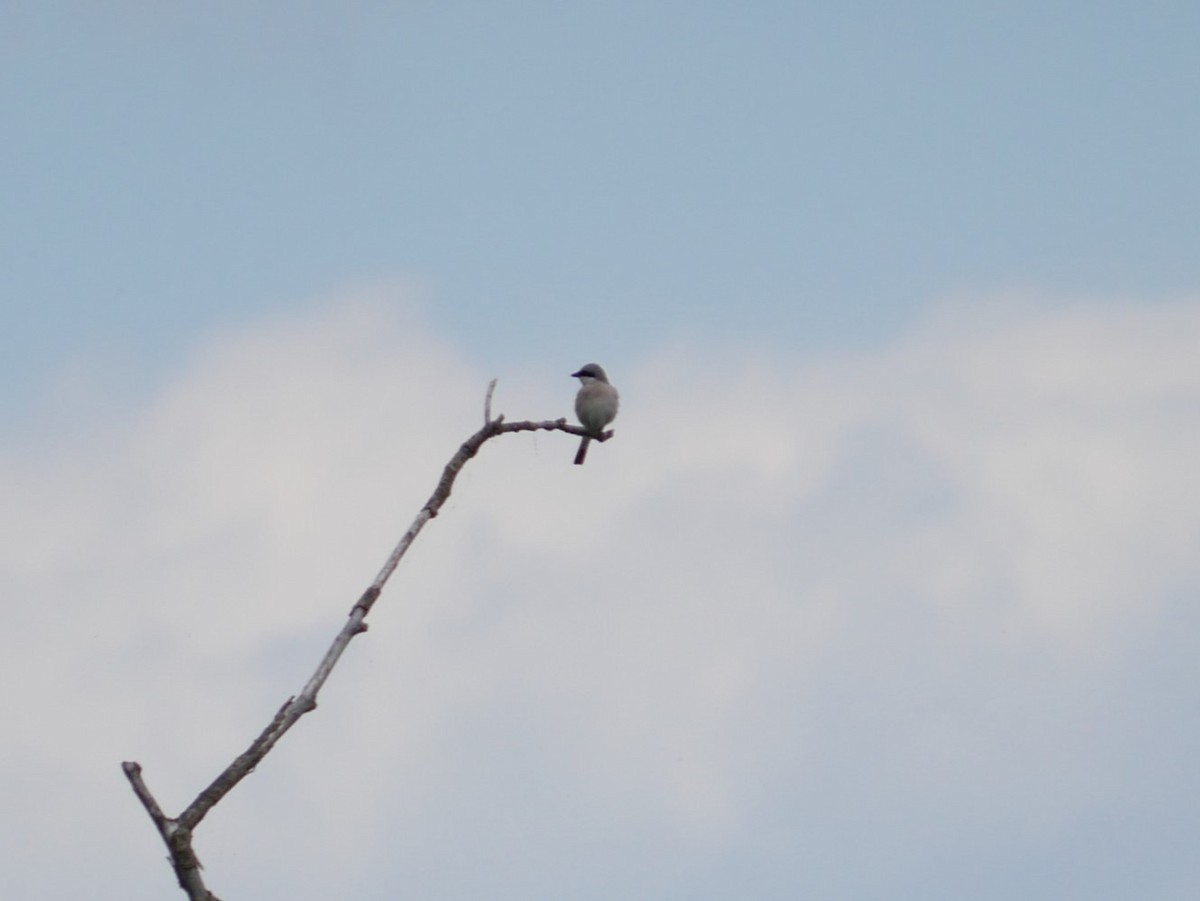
(177, 833)
(487, 402)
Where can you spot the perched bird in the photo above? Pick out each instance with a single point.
(595, 404)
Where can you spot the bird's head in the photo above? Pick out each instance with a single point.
(590, 371)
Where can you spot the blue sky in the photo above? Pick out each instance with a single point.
(612, 175)
(886, 586)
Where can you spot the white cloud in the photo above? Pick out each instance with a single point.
(796, 608)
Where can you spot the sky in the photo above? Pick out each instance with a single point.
(886, 586)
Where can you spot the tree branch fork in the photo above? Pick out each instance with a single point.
(176, 832)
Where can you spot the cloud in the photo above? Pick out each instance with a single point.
(927, 604)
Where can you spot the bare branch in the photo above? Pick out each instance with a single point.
(177, 834)
(133, 772)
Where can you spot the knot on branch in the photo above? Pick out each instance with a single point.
(367, 600)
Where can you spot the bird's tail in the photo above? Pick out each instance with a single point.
(582, 452)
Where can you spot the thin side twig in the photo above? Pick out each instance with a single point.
(487, 402)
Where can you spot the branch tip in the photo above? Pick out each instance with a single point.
(487, 402)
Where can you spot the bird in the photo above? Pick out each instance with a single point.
(595, 404)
